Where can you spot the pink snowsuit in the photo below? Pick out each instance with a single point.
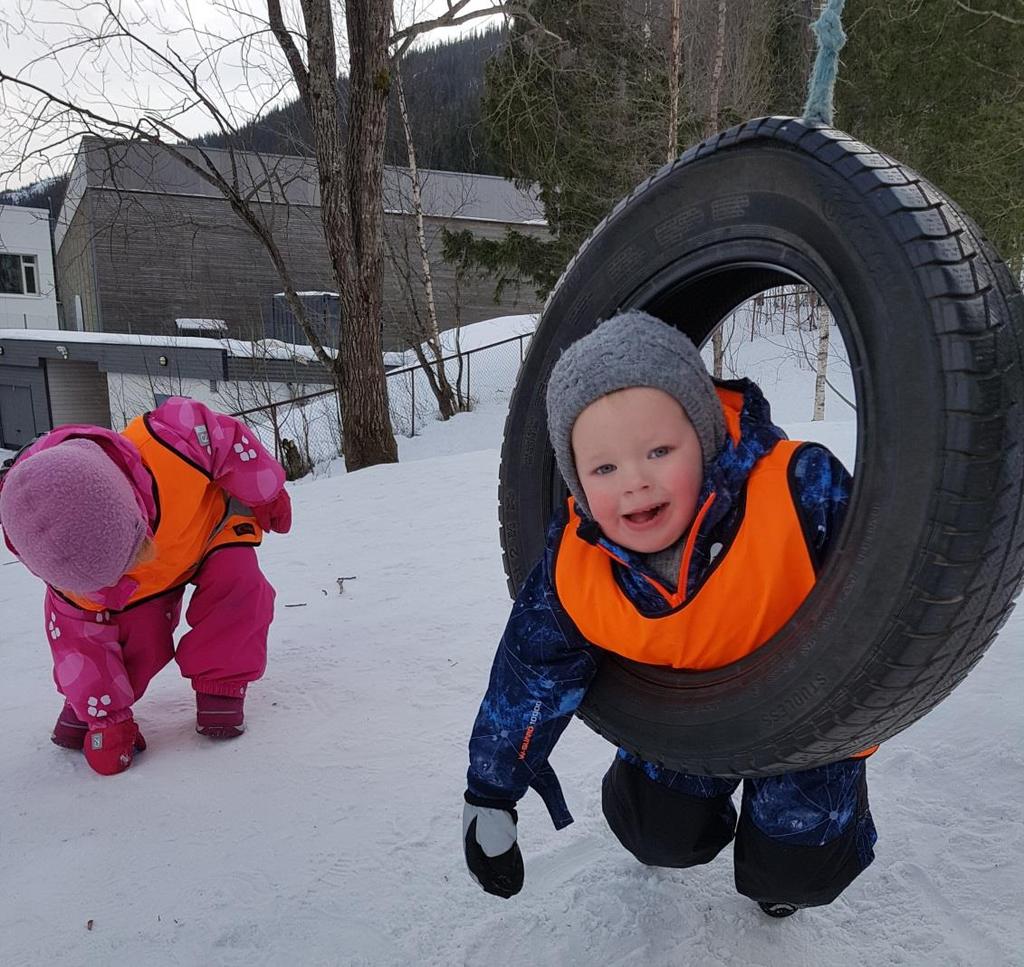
(104, 661)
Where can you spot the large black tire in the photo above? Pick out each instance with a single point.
(931, 556)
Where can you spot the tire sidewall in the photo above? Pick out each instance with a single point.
(799, 212)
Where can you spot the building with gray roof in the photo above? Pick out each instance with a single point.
(143, 240)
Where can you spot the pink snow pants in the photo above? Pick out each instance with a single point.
(103, 663)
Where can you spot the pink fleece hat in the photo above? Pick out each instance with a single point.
(72, 516)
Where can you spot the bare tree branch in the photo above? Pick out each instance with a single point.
(291, 52)
(989, 13)
(453, 18)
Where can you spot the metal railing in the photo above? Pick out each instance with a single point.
(305, 431)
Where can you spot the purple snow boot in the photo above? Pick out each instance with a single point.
(70, 730)
(219, 716)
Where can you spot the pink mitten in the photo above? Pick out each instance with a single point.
(275, 515)
(109, 750)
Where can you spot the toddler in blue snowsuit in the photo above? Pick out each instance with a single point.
(640, 437)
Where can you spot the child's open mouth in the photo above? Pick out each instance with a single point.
(640, 517)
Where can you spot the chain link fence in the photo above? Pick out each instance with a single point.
(475, 375)
(304, 433)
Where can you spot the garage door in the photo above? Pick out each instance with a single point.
(17, 426)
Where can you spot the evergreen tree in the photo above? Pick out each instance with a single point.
(577, 112)
(941, 87)
(582, 111)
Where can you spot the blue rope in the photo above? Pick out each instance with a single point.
(828, 29)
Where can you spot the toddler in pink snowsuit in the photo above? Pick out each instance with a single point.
(117, 525)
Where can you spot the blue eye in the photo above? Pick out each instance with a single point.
(660, 451)
(604, 469)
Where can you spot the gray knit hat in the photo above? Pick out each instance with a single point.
(630, 349)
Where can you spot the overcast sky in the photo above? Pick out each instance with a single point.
(51, 43)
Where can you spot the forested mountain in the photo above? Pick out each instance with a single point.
(48, 193)
(443, 88)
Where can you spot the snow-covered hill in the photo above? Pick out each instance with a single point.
(330, 833)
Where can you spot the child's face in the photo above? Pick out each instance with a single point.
(640, 463)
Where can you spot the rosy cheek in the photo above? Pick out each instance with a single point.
(602, 505)
(687, 489)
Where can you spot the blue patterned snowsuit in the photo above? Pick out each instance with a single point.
(802, 837)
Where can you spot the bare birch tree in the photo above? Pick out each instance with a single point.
(718, 351)
(675, 49)
(433, 368)
(824, 319)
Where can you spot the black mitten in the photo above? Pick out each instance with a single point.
(492, 853)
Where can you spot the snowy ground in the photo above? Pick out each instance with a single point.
(330, 833)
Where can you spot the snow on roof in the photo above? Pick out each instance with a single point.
(212, 325)
(260, 349)
(474, 336)
(108, 338)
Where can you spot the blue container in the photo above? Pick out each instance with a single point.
(323, 310)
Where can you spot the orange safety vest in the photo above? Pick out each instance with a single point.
(194, 518)
(753, 588)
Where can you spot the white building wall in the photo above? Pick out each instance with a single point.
(26, 231)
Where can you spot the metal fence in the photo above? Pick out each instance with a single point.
(304, 432)
(485, 373)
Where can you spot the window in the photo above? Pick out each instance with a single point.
(28, 268)
(18, 275)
